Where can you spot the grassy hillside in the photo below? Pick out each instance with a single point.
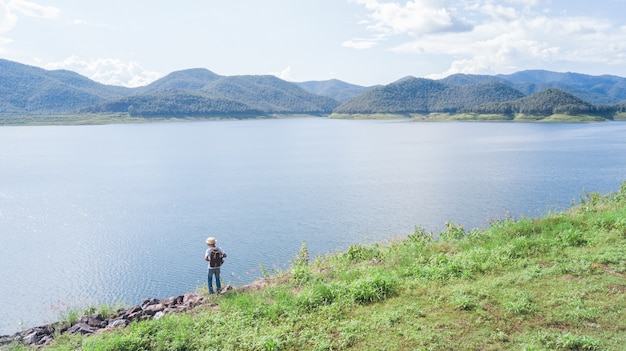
(552, 283)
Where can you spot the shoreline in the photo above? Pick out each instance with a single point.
(8, 120)
(98, 321)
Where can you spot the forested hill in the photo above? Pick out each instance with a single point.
(177, 103)
(189, 79)
(30, 91)
(545, 103)
(334, 88)
(597, 90)
(419, 95)
(271, 94)
(198, 92)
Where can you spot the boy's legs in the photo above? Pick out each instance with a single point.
(210, 285)
(218, 281)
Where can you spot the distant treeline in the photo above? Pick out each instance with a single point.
(28, 90)
(545, 103)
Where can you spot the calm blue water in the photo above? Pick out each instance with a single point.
(119, 213)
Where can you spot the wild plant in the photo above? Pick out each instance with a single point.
(358, 253)
(373, 289)
(569, 341)
(453, 232)
(521, 303)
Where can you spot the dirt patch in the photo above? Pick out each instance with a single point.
(617, 289)
(607, 270)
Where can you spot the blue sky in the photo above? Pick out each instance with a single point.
(365, 42)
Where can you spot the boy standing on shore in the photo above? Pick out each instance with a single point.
(215, 256)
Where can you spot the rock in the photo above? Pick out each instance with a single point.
(133, 313)
(5, 339)
(82, 328)
(172, 301)
(33, 337)
(192, 300)
(135, 316)
(226, 289)
(46, 340)
(90, 324)
(151, 310)
(148, 302)
(95, 320)
(118, 323)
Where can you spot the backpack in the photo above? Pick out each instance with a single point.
(215, 258)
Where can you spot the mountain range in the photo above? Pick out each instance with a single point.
(31, 91)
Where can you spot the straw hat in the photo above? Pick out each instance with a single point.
(210, 240)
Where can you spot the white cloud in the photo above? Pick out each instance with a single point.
(7, 18)
(11, 9)
(415, 17)
(359, 43)
(285, 74)
(501, 38)
(31, 9)
(108, 71)
(9, 14)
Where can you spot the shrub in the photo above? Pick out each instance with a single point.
(317, 295)
(358, 253)
(443, 267)
(570, 341)
(420, 235)
(464, 301)
(453, 232)
(372, 289)
(573, 237)
(522, 304)
(302, 274)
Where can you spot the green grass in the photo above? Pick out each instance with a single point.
(361, 116)
(620, 116)
(469, 117)
(97, 119)
(551, 283)
(67, 119)
(119, 118)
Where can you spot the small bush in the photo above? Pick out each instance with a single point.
(443, 267)
(453, 232)
(302, 257)
(570, 341)
(302, 274)
(372, 289)
(573, 238)
(464, 301)
(316, 296)
(420, 235)
(358, 253)
(522, 304)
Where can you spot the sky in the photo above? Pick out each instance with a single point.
(365, 42)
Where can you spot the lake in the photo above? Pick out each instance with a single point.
(110, 214)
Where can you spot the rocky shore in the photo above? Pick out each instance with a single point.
(96, 323)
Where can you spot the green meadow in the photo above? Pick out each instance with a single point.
(552, 283)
